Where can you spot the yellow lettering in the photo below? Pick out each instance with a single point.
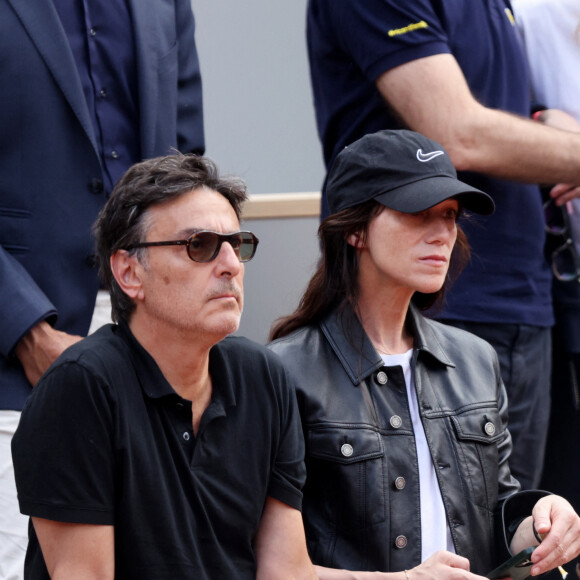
(410, 28)
(510, 16)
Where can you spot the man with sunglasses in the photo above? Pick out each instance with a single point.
(157, 447)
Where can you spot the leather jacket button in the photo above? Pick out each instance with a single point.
(382, 378)
(96, 185)
(400, 483)
(401, 542)
(395, 421)
(489, 428)
(347, 450)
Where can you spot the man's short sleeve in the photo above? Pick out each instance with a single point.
(379, 35)
(289, 472)
(63, 450)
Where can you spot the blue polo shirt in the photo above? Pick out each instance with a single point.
(352, 42)
(101, 38)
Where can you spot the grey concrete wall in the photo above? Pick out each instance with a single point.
(260, 125)
(278, 274)
(259, 117)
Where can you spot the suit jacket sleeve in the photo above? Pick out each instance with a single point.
(22, 303)
(190, 133)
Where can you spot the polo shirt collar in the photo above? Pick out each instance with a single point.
(150, 377)
(155, 385)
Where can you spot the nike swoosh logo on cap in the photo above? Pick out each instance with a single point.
(424, 157)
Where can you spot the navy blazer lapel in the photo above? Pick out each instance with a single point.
(41, 21)
(145, 27)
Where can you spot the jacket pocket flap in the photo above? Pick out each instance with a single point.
(344, 444)
(481, 426)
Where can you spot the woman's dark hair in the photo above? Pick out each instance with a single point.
(124, 219)
(335, 282)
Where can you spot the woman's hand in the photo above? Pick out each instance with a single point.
(443, 565)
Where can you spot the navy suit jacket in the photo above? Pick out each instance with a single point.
(51, 184)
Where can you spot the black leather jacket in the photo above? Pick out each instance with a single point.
(361, 500)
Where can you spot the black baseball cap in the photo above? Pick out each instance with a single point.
(401, 169)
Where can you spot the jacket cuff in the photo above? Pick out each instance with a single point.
(517, 508)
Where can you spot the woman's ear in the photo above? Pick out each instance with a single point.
(127, 271)
(355, 240)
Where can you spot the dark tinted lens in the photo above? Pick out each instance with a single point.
(203, 246)
(555, 218)
(247, 244)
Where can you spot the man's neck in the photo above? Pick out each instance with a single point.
(183, 360)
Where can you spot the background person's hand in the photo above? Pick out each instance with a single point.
(40, 347)
(556, 521)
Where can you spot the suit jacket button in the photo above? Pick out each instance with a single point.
(96, 185)
(401, 542)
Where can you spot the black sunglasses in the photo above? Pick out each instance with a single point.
(564, 258)
(204, 246)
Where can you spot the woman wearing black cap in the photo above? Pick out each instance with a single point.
(405, 419)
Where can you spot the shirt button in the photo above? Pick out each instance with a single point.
(95, 185)
(93, 32)
(114, 154)
(489, 428)
(400, 483)
(186, 436)
(401, 542)
(347, 450)
(382, 378)
(395, 421)
(103, 93)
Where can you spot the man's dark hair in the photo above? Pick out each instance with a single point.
(335, 282)
(123, 221)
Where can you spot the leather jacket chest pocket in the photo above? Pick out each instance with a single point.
(345, 476)
(478, 433)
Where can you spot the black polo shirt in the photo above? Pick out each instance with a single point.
(104, 439)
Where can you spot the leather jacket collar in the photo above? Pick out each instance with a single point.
(348, 340)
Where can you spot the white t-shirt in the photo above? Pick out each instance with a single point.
(435, 534)
(550, 30)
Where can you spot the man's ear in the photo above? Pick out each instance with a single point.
(355, 240)
(127, 271)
